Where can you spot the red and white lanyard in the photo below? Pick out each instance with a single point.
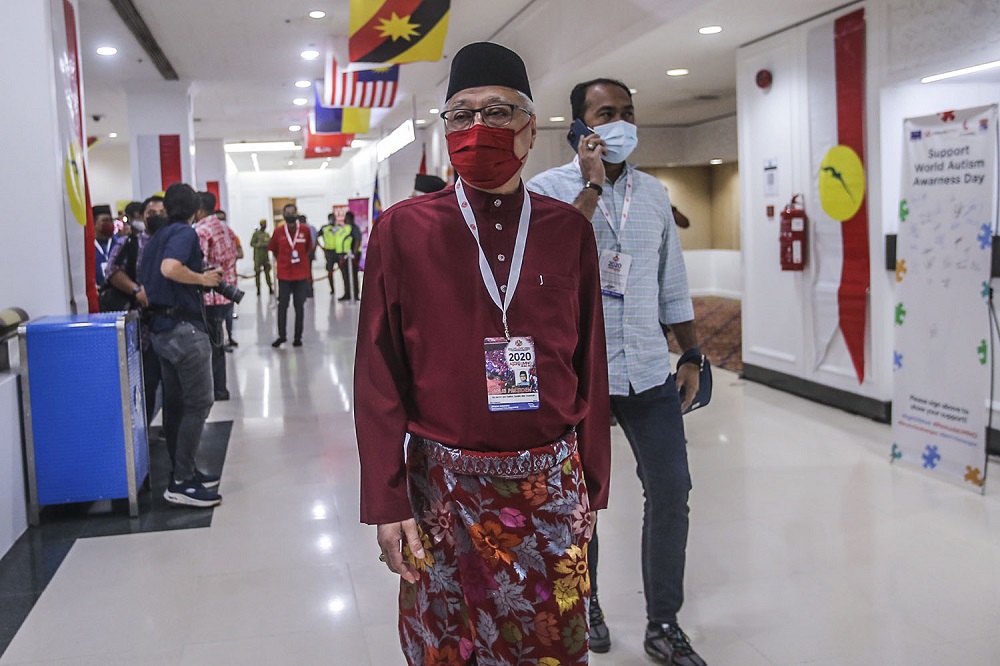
(489, 280)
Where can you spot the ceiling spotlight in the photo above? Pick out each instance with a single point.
(300, 101)
(106, 50)
(680, 71)
(434, 111)
(557, 119)
(633, 90)
(710, 30)
(309, 54)
(113, 135)
(420, 121)
(290, 163)
(317, 14)
(303, 84)
(715, 162)
(294, 128)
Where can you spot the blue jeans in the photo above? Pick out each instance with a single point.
(654, 426)
(186, 363)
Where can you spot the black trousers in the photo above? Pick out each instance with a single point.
(297, 291)
(332, 259)
(348, 271)
(216, 316)
(151, 374)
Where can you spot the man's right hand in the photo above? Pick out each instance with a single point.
(390, 539)
(591, 159)
(211, 278)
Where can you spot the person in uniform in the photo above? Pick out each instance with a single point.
(487, 516)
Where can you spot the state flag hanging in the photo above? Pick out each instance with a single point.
(339, 120)
(325, 145)
(369, 88)
(398, 31)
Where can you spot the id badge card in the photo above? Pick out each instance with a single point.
(614, 272)
(295, 256)
(511, 374)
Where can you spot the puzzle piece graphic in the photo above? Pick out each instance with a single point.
(983, 350)
(904, 210)
(931, 456)
(900, 269)
(974, 475)
(897, 361)
(896, 454)
(985, 237)
(900, 314)
(985, 293)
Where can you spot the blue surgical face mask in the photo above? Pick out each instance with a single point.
(620, 138)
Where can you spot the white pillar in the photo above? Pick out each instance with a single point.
(35, 275)
(161, 135)
(210, 165)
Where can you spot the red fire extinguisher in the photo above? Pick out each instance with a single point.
(793, 234)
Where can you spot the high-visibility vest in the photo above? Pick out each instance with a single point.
(342, 240)
(328, 236)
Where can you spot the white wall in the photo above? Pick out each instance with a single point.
(210, 164)
(109, 172)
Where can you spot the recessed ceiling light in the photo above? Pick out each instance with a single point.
(290, 163)
(434, 111)
(317, 14)
(300, 101)
(303, 84)
(420, 121)
(106, 50)
(113, 135)
(294, 128)
(716, 161)
(556, 119)
(710, 30)
(309, 54)
(261, 146)
(633, 90)
(680, 71)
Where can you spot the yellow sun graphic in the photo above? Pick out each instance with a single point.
(398, 27)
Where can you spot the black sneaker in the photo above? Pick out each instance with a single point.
(297, 343)
(280, 341)
(189, 493)
(206, 480)
(600, 637)
(668, 644)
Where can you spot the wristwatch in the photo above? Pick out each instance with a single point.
(136, 289)
(593, 186)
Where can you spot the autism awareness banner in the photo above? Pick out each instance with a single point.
(941, 356)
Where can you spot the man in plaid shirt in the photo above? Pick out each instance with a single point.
(218, 244)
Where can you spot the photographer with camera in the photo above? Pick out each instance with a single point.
(218, 244)
(172, 276)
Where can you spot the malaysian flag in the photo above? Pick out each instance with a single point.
(367, 88)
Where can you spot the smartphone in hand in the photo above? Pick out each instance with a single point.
(577, 131)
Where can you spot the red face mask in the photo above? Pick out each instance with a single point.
(484, 157)
(107, 228)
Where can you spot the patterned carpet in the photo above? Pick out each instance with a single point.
(720, 331)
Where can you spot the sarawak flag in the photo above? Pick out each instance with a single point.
(368, 88)
(325, 145)
(398, 31)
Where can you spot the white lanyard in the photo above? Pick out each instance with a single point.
(297, 240)
(484, 266)
(625, 208)
(105, 251)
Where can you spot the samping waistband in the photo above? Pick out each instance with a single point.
(507, 465)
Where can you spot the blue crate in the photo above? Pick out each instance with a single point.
(85, 427)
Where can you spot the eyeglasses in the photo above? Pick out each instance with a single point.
(493, 115)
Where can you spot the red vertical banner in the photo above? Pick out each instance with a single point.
(170, 160)
(855, 279)
(213, 187)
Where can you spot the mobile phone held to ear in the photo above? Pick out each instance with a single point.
(577, 131)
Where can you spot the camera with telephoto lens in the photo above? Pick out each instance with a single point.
(232, 292)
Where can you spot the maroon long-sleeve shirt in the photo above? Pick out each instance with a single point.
(420, 364)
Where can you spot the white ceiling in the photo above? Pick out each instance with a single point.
(243, 58)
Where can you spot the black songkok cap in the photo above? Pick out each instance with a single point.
(102, 210)
(427, 183)
(487, 64)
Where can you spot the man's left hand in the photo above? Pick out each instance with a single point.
(688, 382)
